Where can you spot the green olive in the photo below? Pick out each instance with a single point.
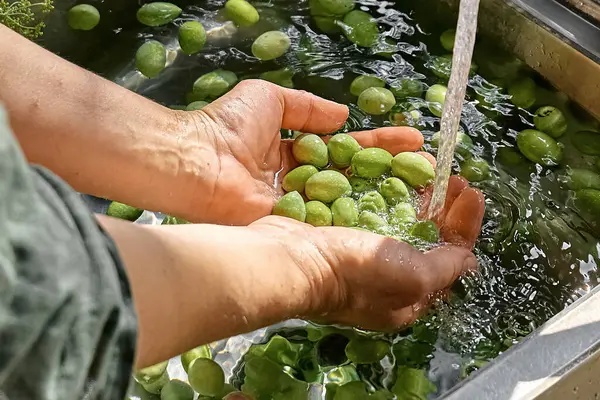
(539, 147)
(310, 149)
(522, 92)
(447, 39)
(475, 169)
(327, 186)
(587, 142)
(206, 377)
(587, 201)
(214, 84)
(406, 87)
(344, 212)
(372, 201)
(413, 169)
(192, 37)
(403, 214)
(282, 77)
(394, 190)
(366, 351)
(406, 118)
(296, 178)
(360, 185)
(426, 231)
(177, 390)
(436, 97)
(196, 105)
(371, 163)
(291, 205)
(241, 12)
(123, 211)
(360, 28)
(386, 49)
(577, 178)
(83, 17)
(329, 25)
(509, 156)
(351, 391)
(318, 214)
(464, 144)
(363, 82)
(336, 7)
(190, 355)
(550, 120)
(157, 13)
(270, 45)
(151, 58)
(151, 373)
(598, 164)
(342, 148)
(376, 100)
(372, 222)
(441, 66)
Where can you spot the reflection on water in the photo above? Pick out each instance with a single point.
(536, 254)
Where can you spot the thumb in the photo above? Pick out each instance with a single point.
(443, 265)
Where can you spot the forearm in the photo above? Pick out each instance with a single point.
(102, 139)
(194, 284)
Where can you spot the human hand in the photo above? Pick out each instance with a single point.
(244, 153)
(374, 282)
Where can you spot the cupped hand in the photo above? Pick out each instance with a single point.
(246, 155)
(371, 281)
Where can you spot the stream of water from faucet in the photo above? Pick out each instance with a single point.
(461, 64)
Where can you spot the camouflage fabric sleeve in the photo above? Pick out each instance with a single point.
(67, 323)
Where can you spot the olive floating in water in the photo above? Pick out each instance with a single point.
(376, 100)
(447, 39)
(192, 37)
(436, 97)
(157, 13)
(270, 45)
(360, 28)
(550, 120)
(241, 12)
(363, 82)
(214, 84)
(151, 58)
(83, 17)
(475, 169)
(539, 147)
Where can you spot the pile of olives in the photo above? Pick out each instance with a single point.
(342, 184)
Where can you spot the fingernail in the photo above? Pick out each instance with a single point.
(470, 264)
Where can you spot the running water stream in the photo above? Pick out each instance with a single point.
(461, 64)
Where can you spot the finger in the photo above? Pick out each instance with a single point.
(393, 139)
(463, 221)
(456, 185)
(429, 158)
(443, 265)
(305, 112)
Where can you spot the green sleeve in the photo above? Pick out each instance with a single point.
(67, 322)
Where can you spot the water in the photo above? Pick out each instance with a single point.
(536, 254)
(457, 87)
